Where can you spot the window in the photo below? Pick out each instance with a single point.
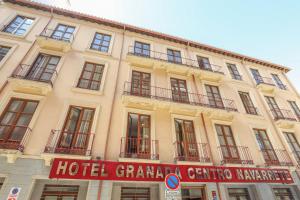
(248, 104)
(256, 75)
(179, 90)
(186, 143)
(204, 63)
(91, 76)
(278, 82)
(44, 68)
(295, 108)
(294, 144)
(214, 96)
(195, 193)
(3, 51)
(135, 193)
(234, 71)
(74, 137)
(266, 146)
(238, 194)
(227, 143)
(63, 32)
(101, 42)
(60, 192)
(283, 194)
(19, 25)
(138, 136)
(277, 114)
(14, 121)
(142, 49)
(141, 83)
(174, 56)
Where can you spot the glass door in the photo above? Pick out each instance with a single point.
(274, 108)
(141, 84)
(256, 75)
(214, 96)
(179, 90)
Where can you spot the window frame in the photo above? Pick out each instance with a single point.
(278, 82)
(17, 28)
(4, 55)
(142, 49)
(91, 77)
(171, 54)
(59, 194)
(234, 72)
(249, 104)
(99, 46)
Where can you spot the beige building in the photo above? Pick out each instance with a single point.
(80, 87)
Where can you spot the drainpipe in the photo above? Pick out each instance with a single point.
(112, 109)
(26, 54)
(205, 128)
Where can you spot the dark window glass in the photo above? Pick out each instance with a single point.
(204, 63)
(294, 144)
(256, 75)
(234, 71)
(214, 96)
(295, 108)
(266, 146)
(91, 76)
(278, 82)
(174, 56)
(19, 25)
(60, 192)
(193, 193)
(3, 51)
(247, 102)
(44, 68)
(277, 114)
(179, 90)
(15, 119)
(283, 194)
(141, 83)
(142, 49)
(101, 42)
(135, 193)
(63, 32)
(238, 194)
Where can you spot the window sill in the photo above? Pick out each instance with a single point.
(87, 91)
(13, 36)
(92, 51)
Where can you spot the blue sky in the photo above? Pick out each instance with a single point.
(268, 29)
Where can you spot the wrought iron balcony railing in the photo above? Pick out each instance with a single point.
(66, 142)
(276, 157)
(279, 114)
(142, 148)
(235, 155)
(264, 80)
(58, 35)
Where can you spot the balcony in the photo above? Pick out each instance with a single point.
(139, 148)
(14, 144)
(26, 79)
(191, 152)
(68, 145)
(185, 102)
(185, 66)
(284, 118)
(276, 157)
(297, 157)
(265, 84)
(235, 155)
(48, 39)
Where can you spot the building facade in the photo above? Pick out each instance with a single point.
(74, 86)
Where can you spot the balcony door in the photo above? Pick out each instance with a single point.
(256, 75)
(63, 32)
(227, 143)
(43, 68)
(266, 147)
(14, 121)
(138, 138)
(75, 135)
(204, 63)
(214, 96)
(274, 107)
(141, 84)
(179, 90)
(186, 143)
(294, 145)
(247, 102)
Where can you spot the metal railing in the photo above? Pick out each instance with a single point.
(57, 35)
(175, 59)
(235, 155)
(297, 156)
(132, 147)
(18, 140)
(196, 152)
(65, 142)
(252, 110)
(164, 94)
(32, 73)
(279, 114)
(264, 80)
(276, 157)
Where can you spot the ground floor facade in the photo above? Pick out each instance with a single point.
(31, 176)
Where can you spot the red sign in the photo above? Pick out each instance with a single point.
(128, 171)
(172, 182)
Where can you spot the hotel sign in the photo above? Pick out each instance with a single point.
(129, 171)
